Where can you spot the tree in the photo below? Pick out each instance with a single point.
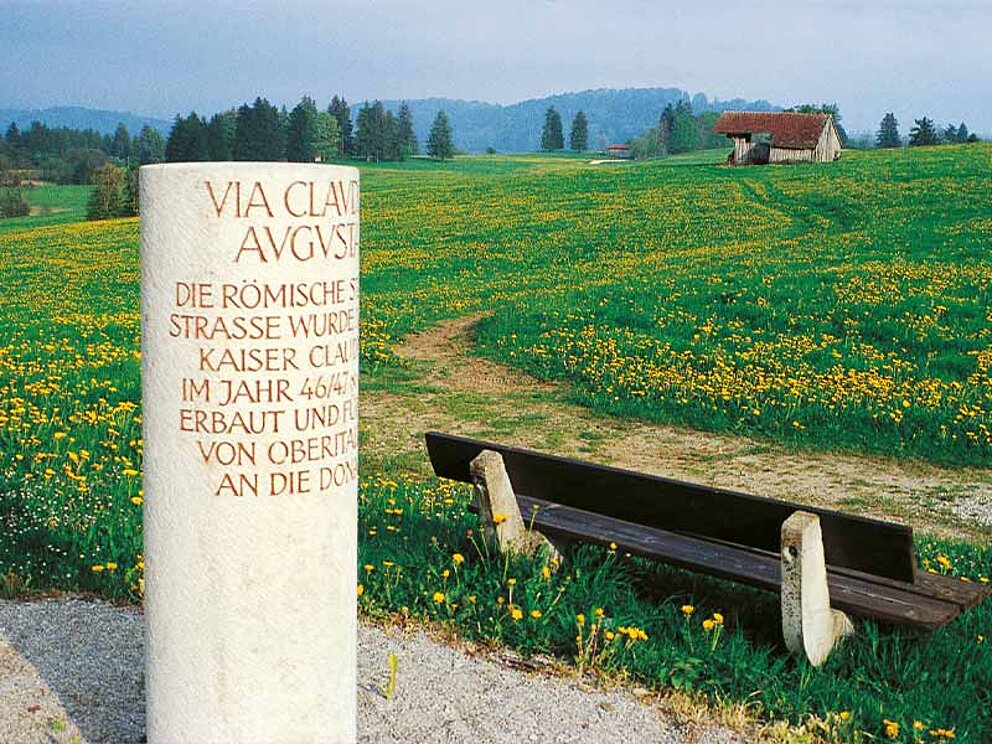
(648, 144)
(923, 133)
(342, 113)
(149, 146)
(673, 117)
(220, 135)
(120, 144)
(888, 132)
(963, 134)
(408, 144)
(371, 132)
(105, 201)
(327, 140)
(552, 137)
(578, 138)
(187, 141)
(79, 165)
(390, 137)
(439, 141)
(666, 122)
(683, 136)
(130, 194)
(259, 133)
(13, 136)
(301, 132)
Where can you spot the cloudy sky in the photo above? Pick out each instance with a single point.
(157, 57)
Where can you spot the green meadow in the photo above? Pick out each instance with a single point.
(842, 307)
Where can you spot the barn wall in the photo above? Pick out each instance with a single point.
(788, 155)
(747, 152)
(828, 148)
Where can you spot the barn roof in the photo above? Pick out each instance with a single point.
(787, 129)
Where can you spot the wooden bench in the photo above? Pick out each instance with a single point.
(871, 569)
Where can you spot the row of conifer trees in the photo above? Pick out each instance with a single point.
(261, 131)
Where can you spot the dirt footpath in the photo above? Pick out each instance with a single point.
(458, 393)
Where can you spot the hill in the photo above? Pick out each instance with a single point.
(615, 115)
(78, 117)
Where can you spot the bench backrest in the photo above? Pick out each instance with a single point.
(857, 543)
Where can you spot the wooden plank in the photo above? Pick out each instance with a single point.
(964, 594)
(861, 544)
(761, 569)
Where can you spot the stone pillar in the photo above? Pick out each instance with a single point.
(809, 626)
(249, 292)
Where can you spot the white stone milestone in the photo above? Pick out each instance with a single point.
(249, 290)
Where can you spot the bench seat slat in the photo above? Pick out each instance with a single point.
(852, 595)
(964, 594)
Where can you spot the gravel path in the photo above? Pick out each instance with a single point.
(70, 671)
(977, 508)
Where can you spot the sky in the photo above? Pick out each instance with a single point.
(160, 57)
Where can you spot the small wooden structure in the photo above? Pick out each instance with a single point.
(623, 152)
(779, 137)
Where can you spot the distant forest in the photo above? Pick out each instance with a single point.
(668, 122)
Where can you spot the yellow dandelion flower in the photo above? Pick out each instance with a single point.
(688, 609)
(499, 518)
(97, 568)
(891, 728)
(137, 500)
(458, 559)
(369, 568)
(111, 566)
(536, 614)
(516, 613)
(361, 589)
(845, 715)
(718, 618)
(438, 597)
(708, 625)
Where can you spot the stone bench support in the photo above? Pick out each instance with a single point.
(810, 627)
(499, 513)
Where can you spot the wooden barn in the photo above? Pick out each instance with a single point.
(779, 137)
(619, 151)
